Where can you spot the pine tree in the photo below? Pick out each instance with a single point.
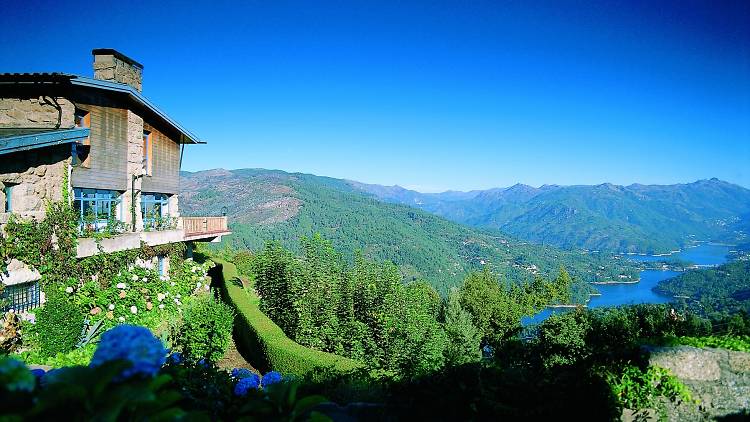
(463, 338)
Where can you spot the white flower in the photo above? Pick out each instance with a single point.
(121, 319)
(68, 290)
(172, 283)
(198, 285)
(144, 279)
(134, 277)
(160, 296)
(206, 286)
(121, 285)
(111, 307)
(133, 310)
(161, 306)
(176, 300)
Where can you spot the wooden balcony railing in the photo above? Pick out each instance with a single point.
(204, 225)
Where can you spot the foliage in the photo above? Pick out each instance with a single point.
(422, 245)
(269, 346)
(497, 309)
(128, 382)
(738, 343)
(562, 339)
(362, 311)
(639, 389)
(59, 323)
(463, 342)
(10, 333)
(206, 328)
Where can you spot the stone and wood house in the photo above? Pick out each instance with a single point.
(115, 152)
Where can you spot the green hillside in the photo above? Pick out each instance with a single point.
(725, 288)
(606, 217)
(273, 205)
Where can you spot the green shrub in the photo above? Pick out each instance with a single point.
(206, 328)
(268, 346)
(59, 324)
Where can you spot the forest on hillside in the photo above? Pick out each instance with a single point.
(273, 205)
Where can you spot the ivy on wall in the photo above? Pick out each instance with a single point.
(49, 245)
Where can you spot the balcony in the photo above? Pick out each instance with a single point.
(200, 229)
(196, 228)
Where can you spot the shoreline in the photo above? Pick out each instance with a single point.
(605, 283)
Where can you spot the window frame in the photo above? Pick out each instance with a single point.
(82, 119)
(152, 199)
(29, 292)
(109, 200)
(148, 152)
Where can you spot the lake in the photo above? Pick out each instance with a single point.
(705, 254)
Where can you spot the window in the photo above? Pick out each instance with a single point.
(97, 209)
(8, 191)
(20, 297)
(82, 119)
(155, 211)
(147, 152)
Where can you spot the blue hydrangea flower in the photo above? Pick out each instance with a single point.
(175, 357)
(271, 378)
(15, 376)
(239, 373)
(133, 344)
(246, 384)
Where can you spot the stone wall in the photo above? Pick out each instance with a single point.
(38, 112)
(719, 379)
(37, 176)
(134, 167)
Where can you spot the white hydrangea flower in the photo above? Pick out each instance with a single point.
(121, 285)
(133, 310)
(68, 290)
(121, 319)
(144, 279)
(111, 307)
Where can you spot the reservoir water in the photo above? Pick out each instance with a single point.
(705, 254)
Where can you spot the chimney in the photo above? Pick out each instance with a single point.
(111, 65)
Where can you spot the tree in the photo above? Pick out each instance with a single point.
(463, 338)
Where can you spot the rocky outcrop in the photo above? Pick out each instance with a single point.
(719, 379)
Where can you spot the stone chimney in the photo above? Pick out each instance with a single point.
(111, 65)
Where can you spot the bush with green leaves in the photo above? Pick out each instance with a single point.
(206, 328)
(59, 324)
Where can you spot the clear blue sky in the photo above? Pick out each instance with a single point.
(430, 95)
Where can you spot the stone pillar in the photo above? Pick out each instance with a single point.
(134, 168)
(174, 210)
(111, 65)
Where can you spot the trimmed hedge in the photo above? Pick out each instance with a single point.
(269, 348)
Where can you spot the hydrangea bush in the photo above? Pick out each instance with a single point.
(131, 378)
(139, 295)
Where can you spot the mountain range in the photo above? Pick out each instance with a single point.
(265, 205)
(606, 217)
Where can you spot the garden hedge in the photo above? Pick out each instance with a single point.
(265, 343)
